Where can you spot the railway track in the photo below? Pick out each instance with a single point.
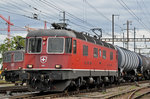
(85, 93)
(139, 93)
(13, 89)
(134, 93)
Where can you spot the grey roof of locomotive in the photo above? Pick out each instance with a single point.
(68, 33)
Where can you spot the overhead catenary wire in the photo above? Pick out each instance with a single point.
(15, 5)
(144, 5)
(60, 9)
(101, 14)
(67, 13)
(71, 15)
(124, 5)
(44, 17)
(31, 12)
(36, 2)
(25, 15)
(144, 12)
(40, 11)
(80, 26)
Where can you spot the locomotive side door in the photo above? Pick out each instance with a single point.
(75, 57)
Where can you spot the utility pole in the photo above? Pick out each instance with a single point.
(64, 19)
(127, 34)
(113, 27)
(63, 23)
(128, 23)
(123, 39)
(45, 25)
(134, 38)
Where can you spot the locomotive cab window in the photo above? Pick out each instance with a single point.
(100, 52)
(18, 56)
(85, 50)
(34, 45)
(74, 47)
(95, 52)
(56, 45)
(111, 55)
(7, 57)
(26, 47)
(104, 54)
(68, 45)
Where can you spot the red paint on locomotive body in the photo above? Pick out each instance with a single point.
(12, 65)
(13, 60)
(90, 62)
(69, 61)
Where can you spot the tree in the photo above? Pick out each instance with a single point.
(18, 42)
(14, 43)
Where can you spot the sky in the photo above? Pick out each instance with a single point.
(81, 15)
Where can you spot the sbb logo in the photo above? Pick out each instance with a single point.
(43, 59)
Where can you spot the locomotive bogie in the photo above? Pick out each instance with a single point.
(12, 75)
(52, 80)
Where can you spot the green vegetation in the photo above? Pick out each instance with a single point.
(4, 82)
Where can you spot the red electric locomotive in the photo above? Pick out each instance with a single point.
(12, 64)
(56, 59)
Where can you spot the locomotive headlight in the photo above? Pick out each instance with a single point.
(20, 68)
(58, 66)
(44, 39)
(5, 68)
(30, 66)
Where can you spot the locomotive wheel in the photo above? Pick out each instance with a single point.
(77, 89)
(87, 88)
(103, 87)
(66, 91)
(99, 86)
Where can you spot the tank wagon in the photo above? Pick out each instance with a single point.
(129, 63)
(12, 65)
(145, 66)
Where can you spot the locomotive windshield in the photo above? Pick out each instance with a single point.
(7, 57)
(55, 45)
(34, 45)
(18, 56)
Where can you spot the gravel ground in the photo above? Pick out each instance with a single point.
(103, 94)
(146, 97)
(5, 85)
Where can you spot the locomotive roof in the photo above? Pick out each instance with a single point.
(67, 33)
(50, 32)
(14, 51)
